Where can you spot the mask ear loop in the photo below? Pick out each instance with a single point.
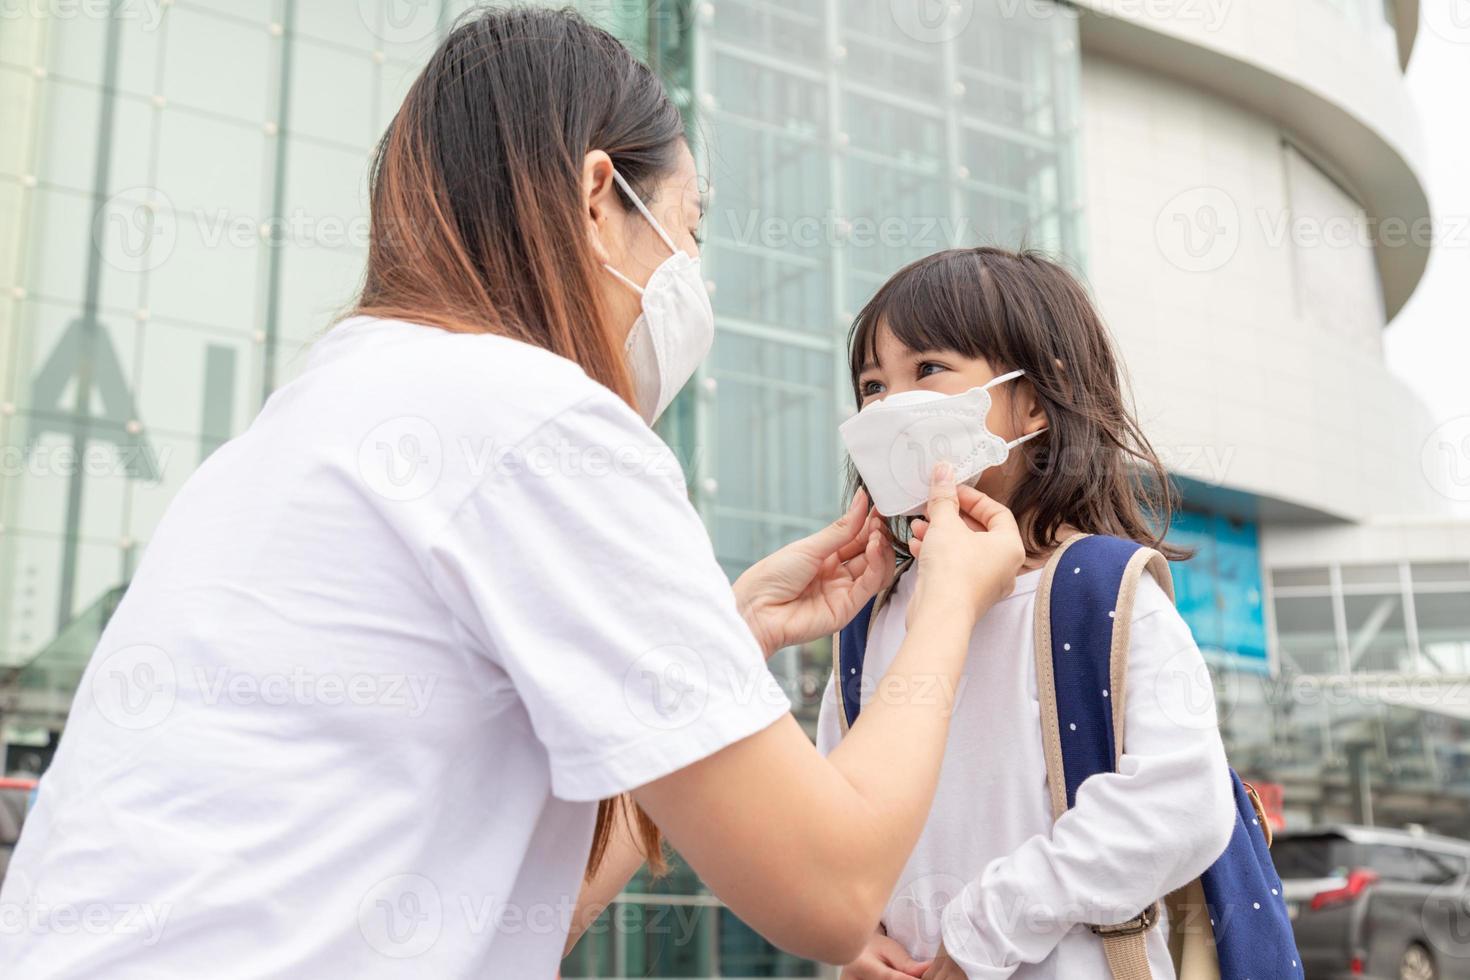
(1026, 438)
(1011, 376)
(625, 280)
(643, 210)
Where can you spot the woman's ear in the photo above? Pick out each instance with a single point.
(599, 204)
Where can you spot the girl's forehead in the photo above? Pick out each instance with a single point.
(886, 345)
(886, 342)
(881, 345)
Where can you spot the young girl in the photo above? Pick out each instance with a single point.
(995, 887)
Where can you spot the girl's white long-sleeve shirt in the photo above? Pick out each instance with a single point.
(1011, 892)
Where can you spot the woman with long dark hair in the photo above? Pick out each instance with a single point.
(423, 662)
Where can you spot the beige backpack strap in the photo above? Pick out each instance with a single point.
(837, 683)
(1144, 559)
(1127, 950)
(1125, 944)
(1127, 957)
(1192, 934)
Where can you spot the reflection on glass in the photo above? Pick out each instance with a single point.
(1376, 637)
(1307, 635)
(1443, 620)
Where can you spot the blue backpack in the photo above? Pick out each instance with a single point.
(1232, 922)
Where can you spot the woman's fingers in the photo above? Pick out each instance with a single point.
(859, 542)
(984, 509)
(877, 563)
(843, 531)
(919, 527)
(870, 568)
(942, 492)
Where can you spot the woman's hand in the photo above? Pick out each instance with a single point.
(883, 959)
(814, 586)
(968, 550)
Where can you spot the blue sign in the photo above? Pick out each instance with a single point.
(1218, 591)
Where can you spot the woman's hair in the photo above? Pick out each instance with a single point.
(478, 221)
(477, 203)
(1093, 469)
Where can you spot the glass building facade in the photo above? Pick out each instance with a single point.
(183, 209)
(843, 141)
(1367, 718)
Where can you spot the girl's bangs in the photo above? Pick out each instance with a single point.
(940, 303)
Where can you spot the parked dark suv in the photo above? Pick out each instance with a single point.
(1374, 904)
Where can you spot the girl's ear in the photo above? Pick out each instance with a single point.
(598, 195)
(1028, 408)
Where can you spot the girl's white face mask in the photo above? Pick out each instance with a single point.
(676, 329)
(896, 442)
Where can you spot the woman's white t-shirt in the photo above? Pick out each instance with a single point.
(384, 653)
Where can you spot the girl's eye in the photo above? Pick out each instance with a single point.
(924, 369)
(870, 388)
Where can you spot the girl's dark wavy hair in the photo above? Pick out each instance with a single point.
(1093, 469)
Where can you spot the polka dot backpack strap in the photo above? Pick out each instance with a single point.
(848, 650)
(1230, 923)
(849, 647)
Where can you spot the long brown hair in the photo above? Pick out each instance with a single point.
(477, 208)
(1093, 469)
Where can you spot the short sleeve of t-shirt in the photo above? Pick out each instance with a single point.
(580, 566)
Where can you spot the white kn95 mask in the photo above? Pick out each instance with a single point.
(896, 442)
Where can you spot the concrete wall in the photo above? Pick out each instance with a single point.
(1240, 266)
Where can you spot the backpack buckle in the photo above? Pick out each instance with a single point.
(1140, 923)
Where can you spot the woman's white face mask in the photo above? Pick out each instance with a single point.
(676, 329)
(896, 442)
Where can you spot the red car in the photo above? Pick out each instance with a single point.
(15, 800)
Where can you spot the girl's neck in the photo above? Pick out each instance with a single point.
(1063, 533)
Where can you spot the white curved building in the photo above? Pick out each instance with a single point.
(1255, 218)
